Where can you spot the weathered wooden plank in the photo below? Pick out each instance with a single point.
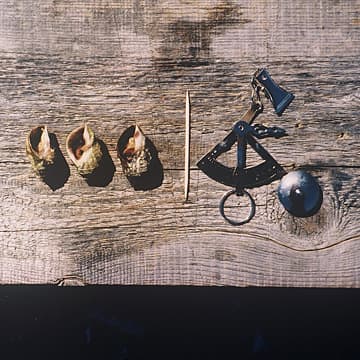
(100, 227)
(113, 64)
(329, 109)
(237, 262)
(182, 30)
(78, 206)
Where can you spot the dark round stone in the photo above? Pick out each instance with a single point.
(300, 193)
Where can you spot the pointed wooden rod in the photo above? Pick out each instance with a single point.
(187, 147)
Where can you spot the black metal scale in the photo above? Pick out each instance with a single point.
(243, 133)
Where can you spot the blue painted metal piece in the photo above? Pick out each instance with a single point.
(300, 193)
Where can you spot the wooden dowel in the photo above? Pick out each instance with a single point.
(187, 147)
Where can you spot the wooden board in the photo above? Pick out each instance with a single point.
(113, 64)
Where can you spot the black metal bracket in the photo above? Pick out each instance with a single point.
(241, 176)
(244, 133)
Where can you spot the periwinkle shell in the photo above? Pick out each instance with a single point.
(139, 159)
(133, 152)
(46, 158)
(84, 150)
(39, 150)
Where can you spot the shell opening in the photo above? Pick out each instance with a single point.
(130, 147)
(35, 137)
(136, 143)
(79, 141)
(40, 142)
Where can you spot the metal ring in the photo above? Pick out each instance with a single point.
(237, 193)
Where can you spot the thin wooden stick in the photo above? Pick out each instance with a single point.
(187, 147)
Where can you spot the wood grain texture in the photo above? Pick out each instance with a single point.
(113, 64)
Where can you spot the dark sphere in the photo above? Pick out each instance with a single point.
(300, 193)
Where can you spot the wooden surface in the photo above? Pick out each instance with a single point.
(117, 63)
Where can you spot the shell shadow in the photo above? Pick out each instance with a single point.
(56, 174)
(104, 173)
(154, 176)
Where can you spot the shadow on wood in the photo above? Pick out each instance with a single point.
(56, 174)
(154, 177)
(104, 173)
(188, 40)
